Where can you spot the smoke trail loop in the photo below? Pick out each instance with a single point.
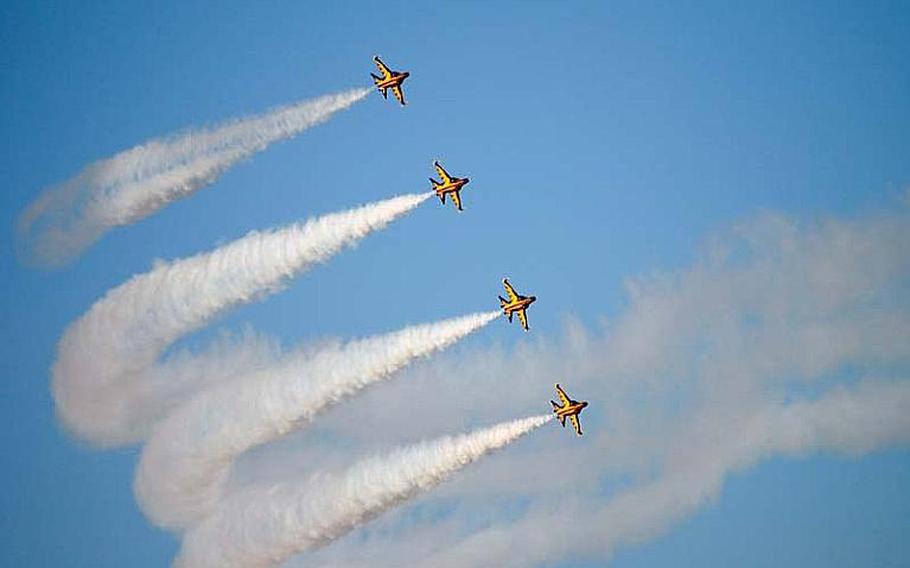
(185, 466)
(103, 357)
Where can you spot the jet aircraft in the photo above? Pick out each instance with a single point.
(568, 408)
(389, 80)
(516, 304)
(448, 186)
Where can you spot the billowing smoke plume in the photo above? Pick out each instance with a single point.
(846, 421)
(783, 338)
(265, 525)
(137, 182)
(111, 388)
(100, 378)
(185, 465)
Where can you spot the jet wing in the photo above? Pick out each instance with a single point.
(446, 178)
(386, 72)
(575, 423)
(396, 90)
(523, 317)
(456, 199)
(513, 295)
(563, 397)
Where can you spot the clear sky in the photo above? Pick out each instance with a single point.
(604, 141)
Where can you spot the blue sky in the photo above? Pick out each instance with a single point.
(604, 141)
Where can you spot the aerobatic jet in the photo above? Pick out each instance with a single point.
(516, 304)
(568, 409)
(448, 186)
(389, 80)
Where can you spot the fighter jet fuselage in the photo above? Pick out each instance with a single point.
(394, 81)
(455, 185)
(571, 409)
(519, 304)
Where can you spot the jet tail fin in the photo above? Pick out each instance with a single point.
(383, 90)
(555, 406)
(436, 184)
(562, 420)
(502, 304)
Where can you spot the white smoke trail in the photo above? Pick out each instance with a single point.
(847, 421)
(104, 356)
(135, 183)
(185, 466)
(784, 338)
(265, 525)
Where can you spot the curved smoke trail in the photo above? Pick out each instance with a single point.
(105, 356)
(267, 524)
(186, 464)
(135, 183)
(848, 421)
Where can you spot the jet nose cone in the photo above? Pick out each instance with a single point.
(533, 298)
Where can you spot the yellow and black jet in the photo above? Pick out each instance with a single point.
(448, 186)
(389, 80)
(568, 408)
(516, 304)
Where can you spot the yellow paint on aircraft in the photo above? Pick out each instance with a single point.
(516, 304)
(389, 80)
(568, 408)
(450, 185)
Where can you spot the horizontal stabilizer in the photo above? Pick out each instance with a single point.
(383, 90)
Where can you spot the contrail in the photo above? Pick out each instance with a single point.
(135, 183)
(186, 464)
(783, 338)
(851, 421)
(103, 356)
(265, 525)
